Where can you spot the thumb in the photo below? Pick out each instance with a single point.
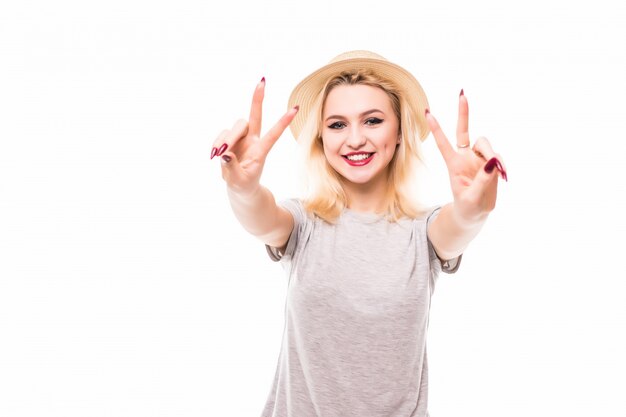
(485, 176)
(231, 169)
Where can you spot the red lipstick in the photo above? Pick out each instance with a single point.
(359, 162)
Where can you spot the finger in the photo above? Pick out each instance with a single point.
(239, 130)
(440, 138)
(482, 147)
(277, 130)
(218, 142)
(462, 127)
(484, 181)
(256, 110)
(231, 169)
(230, 138)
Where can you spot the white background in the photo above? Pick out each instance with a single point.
(128, 288)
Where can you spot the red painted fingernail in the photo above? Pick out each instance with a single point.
(221, 149)
(263, 80)
(426, 112)
(213, 152)
(501, 169)
(491, 165)
(297, 107)
(226, 158)
(461, 93)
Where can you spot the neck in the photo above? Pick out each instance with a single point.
(367, 198)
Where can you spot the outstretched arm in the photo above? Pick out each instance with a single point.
(262, 217)
(243, 153)
(474, 183)
(450, 235)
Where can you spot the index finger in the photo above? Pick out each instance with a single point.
(440, 138)
(254, 124)
(462, 133)
(277, 130)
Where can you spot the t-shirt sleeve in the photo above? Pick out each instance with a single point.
(449, 266)
(294, 206)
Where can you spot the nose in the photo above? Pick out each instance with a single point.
(356, 139)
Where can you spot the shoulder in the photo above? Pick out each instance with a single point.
(425, 215)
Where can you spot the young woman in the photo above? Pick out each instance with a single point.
(361, 253)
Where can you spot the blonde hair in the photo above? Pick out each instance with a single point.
(325, 195)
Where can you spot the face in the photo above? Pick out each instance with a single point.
(359, 120)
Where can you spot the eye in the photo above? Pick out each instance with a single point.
(371, 121)
(374, 120)
(334, 125)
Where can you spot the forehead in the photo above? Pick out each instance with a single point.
(354, 99)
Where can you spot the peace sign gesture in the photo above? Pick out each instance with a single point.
(472, 176)
(243, 164)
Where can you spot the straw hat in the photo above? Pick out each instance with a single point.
(305, 93)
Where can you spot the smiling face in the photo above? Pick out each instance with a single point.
(359, 120)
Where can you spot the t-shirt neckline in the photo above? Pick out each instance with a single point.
(366, 217)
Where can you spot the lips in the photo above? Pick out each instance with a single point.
(361, 161)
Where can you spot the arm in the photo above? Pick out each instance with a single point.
(474, 183)
(243, 153)
(259, 214)
(450, 234)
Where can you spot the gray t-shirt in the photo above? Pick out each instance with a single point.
(356, 316)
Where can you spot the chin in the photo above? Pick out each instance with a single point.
(357, 180)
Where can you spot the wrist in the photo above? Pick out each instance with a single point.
(247, 194)
(465, 220)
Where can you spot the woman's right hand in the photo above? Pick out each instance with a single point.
(243, 151)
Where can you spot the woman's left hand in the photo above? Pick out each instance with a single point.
(473, 179)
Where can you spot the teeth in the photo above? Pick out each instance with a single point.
(359, 157)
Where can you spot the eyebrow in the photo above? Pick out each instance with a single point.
(335, 116)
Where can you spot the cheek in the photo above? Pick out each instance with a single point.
(387, 141)
(328, 154)
(329, 147)
(325, 147)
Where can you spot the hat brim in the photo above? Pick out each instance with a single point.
(306, 92)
